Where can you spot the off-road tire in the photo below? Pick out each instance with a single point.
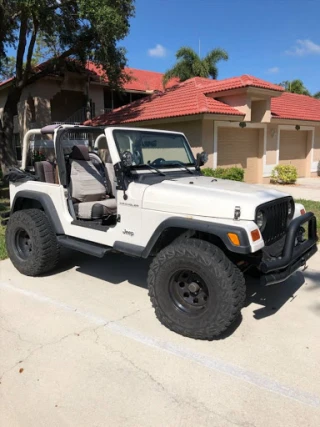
(224, 281)
(44, 254)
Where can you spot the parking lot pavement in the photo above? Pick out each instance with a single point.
(82, 347)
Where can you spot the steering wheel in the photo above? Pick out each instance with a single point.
(157, 162)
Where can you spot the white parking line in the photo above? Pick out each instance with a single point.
(179, 351)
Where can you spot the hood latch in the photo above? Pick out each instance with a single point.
(237, 213)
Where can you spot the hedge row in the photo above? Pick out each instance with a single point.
(234, 173)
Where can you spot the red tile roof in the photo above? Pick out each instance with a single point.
(293, 106)
(141, 80)
(4, 82)
(184, 99)
(240, 82)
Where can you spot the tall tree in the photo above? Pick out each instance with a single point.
(82, 29)
(317, 95)
(189, 64)
(295, 86)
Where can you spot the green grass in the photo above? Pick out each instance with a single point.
(311, 206)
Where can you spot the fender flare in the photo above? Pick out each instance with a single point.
(46, 203)
(219, 230)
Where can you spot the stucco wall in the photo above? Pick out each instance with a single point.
(97, 96)
(260, 111)
(3, 98)
(241, 102)
(316, 151)
(271, 152)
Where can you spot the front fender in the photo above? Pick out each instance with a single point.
(25, 199)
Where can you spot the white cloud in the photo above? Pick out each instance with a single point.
(273, 70)
(158, 52)
(304, 47)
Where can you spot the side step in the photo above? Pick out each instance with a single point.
(84, 246)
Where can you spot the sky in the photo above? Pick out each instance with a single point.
(275, 40)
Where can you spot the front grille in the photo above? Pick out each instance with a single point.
(276, 214)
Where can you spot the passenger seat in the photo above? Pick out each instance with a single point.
(45, 171)
(87, 187)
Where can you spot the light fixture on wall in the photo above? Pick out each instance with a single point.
(297, 127)
(273, 132)
(242, 124)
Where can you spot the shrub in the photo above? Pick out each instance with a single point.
(234, 173)
(284, 174)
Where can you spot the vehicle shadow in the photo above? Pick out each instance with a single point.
(314, 276)
(272, 298)
(117, 268)
(114, 268)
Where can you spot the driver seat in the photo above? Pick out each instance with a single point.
(90, 200)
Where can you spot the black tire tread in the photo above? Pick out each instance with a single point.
(47, 248)
(214, 259)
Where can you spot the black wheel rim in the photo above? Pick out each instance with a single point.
(189, 292)
(23, 244)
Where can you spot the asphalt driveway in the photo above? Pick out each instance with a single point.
(82, 347)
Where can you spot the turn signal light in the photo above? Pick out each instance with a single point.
(303, 211)
(234, 239)
(255, 234)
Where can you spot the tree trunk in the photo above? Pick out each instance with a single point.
(8, 155)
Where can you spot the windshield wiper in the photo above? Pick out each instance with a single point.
(176, 162)
(153, 168)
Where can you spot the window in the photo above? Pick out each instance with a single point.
(148, 147)
(17, 145)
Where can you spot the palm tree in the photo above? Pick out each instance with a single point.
(295, 86)
(189, 64)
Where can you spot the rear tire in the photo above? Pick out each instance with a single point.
(195, 289)
(31, 242)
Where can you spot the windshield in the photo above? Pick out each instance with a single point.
(154, 148)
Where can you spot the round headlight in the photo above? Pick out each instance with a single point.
(290, 209)
(260, 219)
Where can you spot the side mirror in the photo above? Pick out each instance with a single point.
(127, 159)
(202, 158)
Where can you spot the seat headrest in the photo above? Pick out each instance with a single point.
(80, 152)
(102, 143)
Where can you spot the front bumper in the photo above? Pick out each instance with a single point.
(294, 255)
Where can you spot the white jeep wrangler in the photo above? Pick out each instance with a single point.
(145, 196)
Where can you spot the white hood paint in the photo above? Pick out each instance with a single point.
(208, 197)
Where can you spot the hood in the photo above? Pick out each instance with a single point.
(209, 197)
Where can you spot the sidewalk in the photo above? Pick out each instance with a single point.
(306, 188)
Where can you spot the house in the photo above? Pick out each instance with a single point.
(242, 121)
(71, 93)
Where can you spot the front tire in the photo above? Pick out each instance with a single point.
(195, 289)
(31, 242)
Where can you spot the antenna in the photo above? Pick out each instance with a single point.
(199, 48)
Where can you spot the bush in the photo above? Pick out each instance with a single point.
(234, 173)
(284, 174)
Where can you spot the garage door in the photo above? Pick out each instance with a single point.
(239, 147)
(293, 149)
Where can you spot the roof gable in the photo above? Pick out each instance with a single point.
(240, 82)
(184, 99)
